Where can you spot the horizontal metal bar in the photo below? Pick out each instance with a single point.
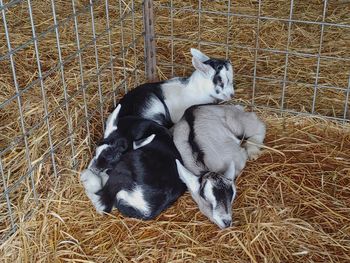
(58, 65)
(347, 98)
(6, 236)
(160, 6)
(9, 4)
(50, 29)
(8, 201)
(295, 82)
(264, 78)
(313, 115)
(277, 51)
(20, 138)
(15, 185)
(46, 155)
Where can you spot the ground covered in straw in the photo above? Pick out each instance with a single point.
(293, 202)
(292, 205)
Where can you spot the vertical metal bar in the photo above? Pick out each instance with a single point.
(64, 84)
(96, 60)
(346, 109)
(287, 54)
(256, 53)
(8, 201)
(20, 109)
(319, 57)
(110, 53)
(199, 23)
(122, 42)
(228, 28)
(81, 72)
(172, 35)
(42, 87)
(134, 42)
(148, 15)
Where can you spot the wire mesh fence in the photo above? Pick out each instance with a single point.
(64, 64)
(290, 56)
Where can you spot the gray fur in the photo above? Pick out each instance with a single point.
(216, 132)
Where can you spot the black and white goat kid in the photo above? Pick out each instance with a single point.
(165, 102)
(208, 138)
(134, 168)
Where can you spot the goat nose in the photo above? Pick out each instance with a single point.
(231, 95)
(227, 222)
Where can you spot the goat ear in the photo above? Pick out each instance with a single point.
(231, 171)
(112, 121)
(207, 70)
(199, 55)
(143, 142)
(187, 177)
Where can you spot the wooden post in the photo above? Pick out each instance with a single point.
(150, 46)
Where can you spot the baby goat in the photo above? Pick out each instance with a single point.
(134, 168)
(165, 102)
(208, 138)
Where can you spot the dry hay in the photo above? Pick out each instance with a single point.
(84, 112)
(270, 66)
(293, 203)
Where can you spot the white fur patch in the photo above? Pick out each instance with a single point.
(134, 199)
(229, 74)
(239, 107)
(231, 171)
(154, 107)
(227, 79)
(180, 96)
(208, 192)
(224, 76)
(92, 184)
(148, 140)
(198, 54)
(100, 148)
(205, 69)
(187, 177)
(110, 127)
(235, 139)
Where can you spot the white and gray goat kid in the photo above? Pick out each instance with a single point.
(209, 138)
(165, 102)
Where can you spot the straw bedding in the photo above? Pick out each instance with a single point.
(293, 202)
(292, 205)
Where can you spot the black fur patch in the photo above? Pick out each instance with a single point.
(111, 155)
(134, 103)
(183, 80)
(198, 153)
(242, 138)
(217, 65)
(152, 168)
(223, 194)
(167, 119)
(201, 190)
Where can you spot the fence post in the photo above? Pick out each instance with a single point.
(149, 38)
